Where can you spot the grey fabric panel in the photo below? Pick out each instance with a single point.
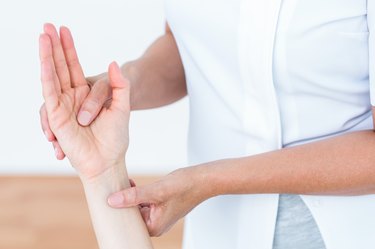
(295, 226)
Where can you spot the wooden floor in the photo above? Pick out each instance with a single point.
(51, 213)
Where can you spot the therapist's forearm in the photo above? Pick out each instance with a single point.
(344, 165)
(157, 78)
(114, 228)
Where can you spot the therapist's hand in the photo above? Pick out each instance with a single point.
(166, 201)
(91, 149)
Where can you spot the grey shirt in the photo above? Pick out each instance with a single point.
(295, 226)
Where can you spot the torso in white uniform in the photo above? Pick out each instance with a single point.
(265, 74)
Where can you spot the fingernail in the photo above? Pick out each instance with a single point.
(46, 134)
(116, 199)
(84, 117)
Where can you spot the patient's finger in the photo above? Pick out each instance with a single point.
(77, 76)
(58, 57)
(59, 153)
(120, 89)
(49, 84)
(45, 124)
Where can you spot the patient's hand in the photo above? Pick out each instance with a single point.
(102, 144)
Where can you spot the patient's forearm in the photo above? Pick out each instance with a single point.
(114, 228)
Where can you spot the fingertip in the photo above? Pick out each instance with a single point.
(59, 153)
(132, 183)
(115, 76)
(84, 118)
(64, 30)
(45, 26)
(116, 200)
(44, 42)
(113, 69)
(67, 40)
(60, 157)
(41, 43)
(114, 65)
(50, 137)
(44, 46)
(43, 37)
(49, 28)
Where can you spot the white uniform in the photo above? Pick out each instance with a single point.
(267, 74)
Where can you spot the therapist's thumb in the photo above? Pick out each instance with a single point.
(120, 89)
(131, 197)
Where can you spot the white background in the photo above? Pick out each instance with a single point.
(104, 30)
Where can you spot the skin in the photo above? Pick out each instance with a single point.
(163, 84)
(343, 165)
(96, 151)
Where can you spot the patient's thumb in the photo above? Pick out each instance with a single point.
(120, 88)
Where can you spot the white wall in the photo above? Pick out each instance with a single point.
(104, 30)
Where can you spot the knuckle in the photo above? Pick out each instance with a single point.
(131, 196)
(91, 104)
(60, 64)
(161, 193)
(136, 195)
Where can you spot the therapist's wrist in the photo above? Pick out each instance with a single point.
(218, 178)
(132, 71)
(209, 179)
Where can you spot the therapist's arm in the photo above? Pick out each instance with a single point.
(97, 151)
(157, 78)
(342, 165)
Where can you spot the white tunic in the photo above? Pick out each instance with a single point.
(268, 74)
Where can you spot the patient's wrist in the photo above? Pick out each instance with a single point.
(114, 228)
(114, 176)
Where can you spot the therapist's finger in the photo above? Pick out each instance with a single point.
(99, 94)
(132, 183)
(45, 124)
(77, 76)
(48, 75)
(135, 196)
(58, 57)
(145, 212)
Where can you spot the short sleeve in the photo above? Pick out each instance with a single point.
(371, 27)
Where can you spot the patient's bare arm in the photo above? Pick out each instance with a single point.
(114, 228)
(96, 151)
